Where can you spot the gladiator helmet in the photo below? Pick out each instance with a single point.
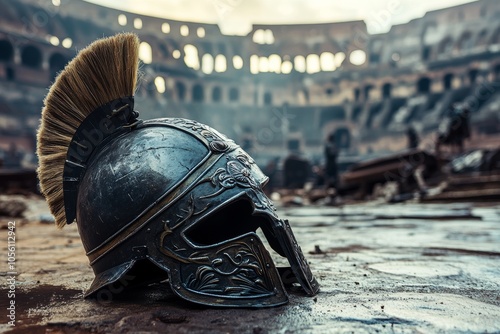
(172, 200)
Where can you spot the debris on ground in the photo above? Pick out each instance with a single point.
(407, 267)
(12, 207)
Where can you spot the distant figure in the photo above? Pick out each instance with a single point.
(463, 124)
(455, 129)
(296, 168)
(331, 168)
(412, 136)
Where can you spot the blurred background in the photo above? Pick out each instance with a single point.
(279, 78)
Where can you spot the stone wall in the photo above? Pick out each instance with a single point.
(330, 76)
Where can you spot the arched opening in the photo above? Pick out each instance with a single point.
(258, 36)
(482, 38)
(424, 85)
(56, 63)
(356, 112)
(254, 64)
(184, 30)
(122, 20)
(220, 63)
(198, 94)
(263, 64)
(234, 94)
(207, 63)
(473, 76)
(327, 61)
(357, 94)
(216, 94)
(145, 53)
(312, 63)
(426, 53)
(339, 59)
(67, 42)
(138, 23)
(268, 99)
(448, 81)
(181, 90)
(367, 91)
(300, 64)
(31, 56)
(261, 36)
(275, 63)
(446, 46)
(386, 90)
(465, 42)
(200, 32)
(176, 54)
(165, 28)
(191, 57)
(357, 57)
(237, 62)
(160, 84)
(6, 51)
(269, 36)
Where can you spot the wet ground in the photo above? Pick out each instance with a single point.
(405, 268)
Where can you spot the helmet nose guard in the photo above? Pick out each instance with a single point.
(182, 196)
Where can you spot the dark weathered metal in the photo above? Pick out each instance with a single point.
(178, 200)
(102, 125)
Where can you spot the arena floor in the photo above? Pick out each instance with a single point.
(405, 268)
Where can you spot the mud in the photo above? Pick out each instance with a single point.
(401, 268)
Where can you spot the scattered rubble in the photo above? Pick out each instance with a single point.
(12, 207)
(18, 181)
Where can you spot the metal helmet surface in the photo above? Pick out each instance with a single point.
(173, 199)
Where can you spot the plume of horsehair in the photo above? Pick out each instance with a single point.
(103, 71)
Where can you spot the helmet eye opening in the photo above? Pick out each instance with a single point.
(229, 222)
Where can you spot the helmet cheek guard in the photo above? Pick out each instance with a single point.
(188, 200)
(239, 272)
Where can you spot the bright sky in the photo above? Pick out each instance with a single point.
(235, 17)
